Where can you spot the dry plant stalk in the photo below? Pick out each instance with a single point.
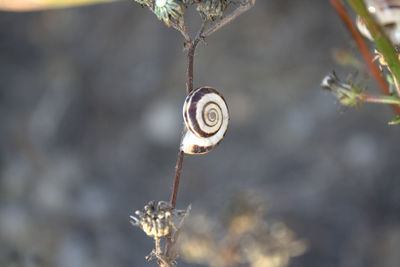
(171, 12)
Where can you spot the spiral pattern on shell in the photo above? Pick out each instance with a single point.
(206, 118)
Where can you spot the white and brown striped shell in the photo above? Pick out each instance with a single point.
(206, 118)
(387, 14)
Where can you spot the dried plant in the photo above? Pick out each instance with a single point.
(242, 238)
(160, 222)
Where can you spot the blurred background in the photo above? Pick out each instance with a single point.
(90, 112)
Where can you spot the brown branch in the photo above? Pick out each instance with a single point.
(200, 32)
(236, 13)
(189, 87)
(174, 194)
(363, 49)
(181, 27)
(189, 70)
(178, 169)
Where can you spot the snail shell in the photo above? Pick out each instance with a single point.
(206, 118)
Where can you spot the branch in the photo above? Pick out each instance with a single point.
(189, 70)
(181, 27)
(192, 44)
(384, 99)
(199, 34)
(178, 169)
(236, 13)
(363, 48)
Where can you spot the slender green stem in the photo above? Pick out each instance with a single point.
(382, 99)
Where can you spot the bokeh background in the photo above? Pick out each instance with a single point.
(90, 112)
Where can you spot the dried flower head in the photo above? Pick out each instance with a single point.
(158, 220)
(172, 11)
(167, 9)
(212, 9)
(347, 94)
(148, 3)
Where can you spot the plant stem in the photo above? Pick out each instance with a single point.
(189, 88)
(181, 27)
(236, 13)
(192, 44)
(363, 48)
(189, 70)
(178, 169)
(158, 246)
(380, 99)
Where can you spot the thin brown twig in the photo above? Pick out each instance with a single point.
(189, 88)
(236, 13)
(363, 49)
(178, 169)
(190, 56)
(181, 154)
(189, 70)
(181, 27)
(200, 32)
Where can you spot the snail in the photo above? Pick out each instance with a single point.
(387, 14)
(206, 119)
